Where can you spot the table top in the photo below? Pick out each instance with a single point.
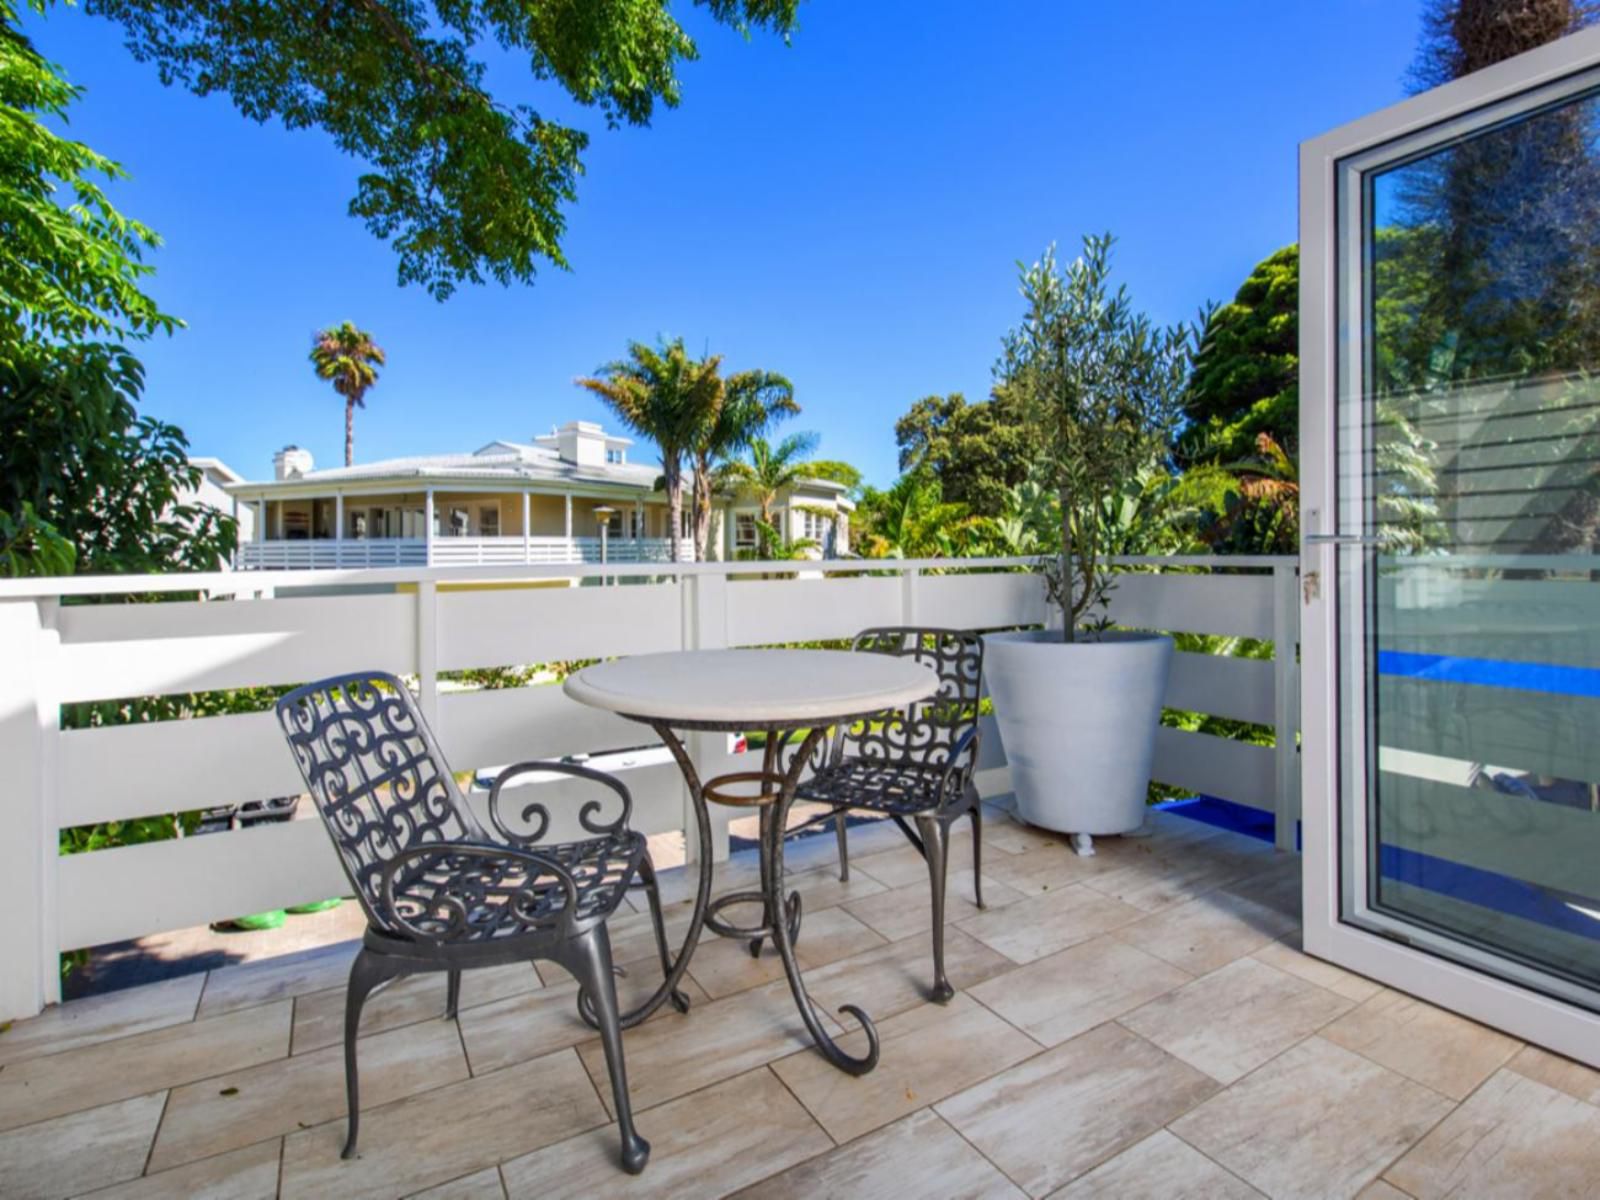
(752, 688)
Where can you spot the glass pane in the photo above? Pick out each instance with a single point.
(1477, 492)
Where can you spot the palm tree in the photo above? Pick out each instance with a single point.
(751, 402)
(350, 358)
(770, 469)
(662, 394)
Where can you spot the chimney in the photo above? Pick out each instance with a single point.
(291, 463)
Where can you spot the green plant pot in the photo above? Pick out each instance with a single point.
(254, 922)
(316, 906)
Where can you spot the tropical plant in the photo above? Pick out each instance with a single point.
(976, 451)
(772, 546)
(911, 519)
(1100, 390)
(464, 183)
(662, 394)
(835, 471)
(1260, 512)
(749, 403)
(349, 359)
(768, 470)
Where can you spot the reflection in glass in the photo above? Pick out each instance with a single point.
(1477, 458)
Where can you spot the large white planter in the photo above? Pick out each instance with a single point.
(1079, 725)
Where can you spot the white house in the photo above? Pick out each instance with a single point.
(559, 497)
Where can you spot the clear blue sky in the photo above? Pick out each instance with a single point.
(847, 210)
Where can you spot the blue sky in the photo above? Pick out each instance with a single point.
(847, 210)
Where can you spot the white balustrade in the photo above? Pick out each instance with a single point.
(269, 628)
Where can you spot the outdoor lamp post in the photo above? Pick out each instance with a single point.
(603, 514)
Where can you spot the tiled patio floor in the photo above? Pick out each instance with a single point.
(1138, 1024)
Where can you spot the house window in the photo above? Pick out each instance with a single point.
(814, 526)
(358, 524)
(616, 457)
(744, 531)
(459, 523)
(636, 523)
(488, 520)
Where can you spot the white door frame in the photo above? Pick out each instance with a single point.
(1325, 333)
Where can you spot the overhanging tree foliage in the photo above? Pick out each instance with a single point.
(466, 184)
(86, 481)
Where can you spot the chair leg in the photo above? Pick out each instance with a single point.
(935, 844)
(588, 957)
(647, 874)
(366, 973)
(452, 995)
(844, 846)
(976, 813)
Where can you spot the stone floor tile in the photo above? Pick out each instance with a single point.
(1230, 1022)
(250, 1173)
(480, 1185)
(1043, 924)
(674, 1054)
(723, 966)
(1055, 1116)
(926, 1054)
(919, 1155)
(1070, 992)
(907, 911)
(1152, 882)
(1379, 1190)
(1514, 1137)
(904, 865)
(899, 976)
(233, 988)
(66, 1155)
(442, 1135)
(1207, 932)
(1051, 867)
(1563, 1074)
(1316, 1123)
(1286, 955)
(703, 1145)
(319, 1016)
(40, 1088)
(821, 888)
(102, 1018)
(227, 1111)
(1159, 1168)
(540, 1022)
(1448, 1053)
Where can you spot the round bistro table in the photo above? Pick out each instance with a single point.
(793, 696)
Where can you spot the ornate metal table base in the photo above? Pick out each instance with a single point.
(781, 915)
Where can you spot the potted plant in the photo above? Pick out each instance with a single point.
(1099, 388)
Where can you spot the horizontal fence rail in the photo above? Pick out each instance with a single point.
(228, 631)
(307, 554)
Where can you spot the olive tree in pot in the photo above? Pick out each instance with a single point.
(1078, 707)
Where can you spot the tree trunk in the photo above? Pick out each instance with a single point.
(349, 431)
(674, 509)
(1067, 615)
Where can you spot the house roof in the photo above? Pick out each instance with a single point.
(512, 463)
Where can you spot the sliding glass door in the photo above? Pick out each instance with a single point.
(1453, 549)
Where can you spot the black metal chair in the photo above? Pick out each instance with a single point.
(915, 764)
(440, 892)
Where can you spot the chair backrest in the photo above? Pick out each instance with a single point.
(376, 774)
(924, 732)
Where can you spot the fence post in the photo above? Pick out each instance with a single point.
(428, 651)
(705, 604)
(908, 595)
(30, 719)
(1286, 701)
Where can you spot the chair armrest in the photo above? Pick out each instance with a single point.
(456, 889)
(588, 815)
